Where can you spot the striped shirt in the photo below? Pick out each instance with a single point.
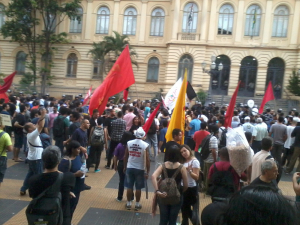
(213, 144)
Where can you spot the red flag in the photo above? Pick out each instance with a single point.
(7, 82)
(269, 96)
(229, 113)
(119, 78)
(5, 97)
(87, 96)
(148, 123)
(125, 94)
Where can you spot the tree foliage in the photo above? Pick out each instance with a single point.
(294, 84)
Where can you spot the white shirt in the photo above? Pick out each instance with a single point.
(136, 149)
(195, 164)
(289, 141)
(34, 153)
(248, 127)
(258, 159)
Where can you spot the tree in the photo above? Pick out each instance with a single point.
(22, 27)
(110, 48)
(294, 84)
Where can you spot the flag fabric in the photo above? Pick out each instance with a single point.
(269, 96)
(254, 19)
(163, 102)
(178, 116)
(229, 113)
(172, 95)
(88, 95)
(149, 121)
(5, 97)
(7, 82)
(125, 94)
(190, 92)
(190, 18)
(119, 78)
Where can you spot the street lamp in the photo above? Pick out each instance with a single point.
(212, 67)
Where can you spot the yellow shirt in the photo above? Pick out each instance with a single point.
(4, 142)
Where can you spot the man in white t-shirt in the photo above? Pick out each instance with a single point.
(136, 160)
(35, 149)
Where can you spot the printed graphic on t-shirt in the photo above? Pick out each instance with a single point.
(135, 150)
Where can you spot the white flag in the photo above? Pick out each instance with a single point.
(171, 97)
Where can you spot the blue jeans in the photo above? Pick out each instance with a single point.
(169, 213)
(35, 167)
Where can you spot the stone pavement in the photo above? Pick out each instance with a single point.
(96, 206)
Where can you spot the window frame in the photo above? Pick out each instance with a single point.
(285, 22)
(21, 60)
(2, 15)
(129, 21)
(73, 63)
(185, 18)
(157, 21)
(103, 17)
(181, 67)
(250, 19)
(74, 22)
(155, 67)
(223, 16)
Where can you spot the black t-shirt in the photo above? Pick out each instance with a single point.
(73, 127)
(12, 109)
(168, 145)
(20, 118)
(258, 181)
(38, 183)
(107, 124)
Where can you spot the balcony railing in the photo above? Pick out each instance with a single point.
(188, 36)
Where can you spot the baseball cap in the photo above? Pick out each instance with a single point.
(247, 118)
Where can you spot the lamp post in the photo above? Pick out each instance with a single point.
(212, 67)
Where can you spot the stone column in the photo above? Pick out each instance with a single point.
(240, 22)
(89, 18)
(204, 20)
(212, 21)
(295, 27)
(175, 19)
(267, 31)
(116, 15)
(143, 21)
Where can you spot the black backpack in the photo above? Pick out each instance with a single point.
(204, 153)
(59, 127)
(223, 138)
(152, 129)
(46, 208)
(222, 183)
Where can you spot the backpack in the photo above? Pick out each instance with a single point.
(45, 139)
(204, 153)
(46, 207)
(59, 127)
(169, 186)
(97, 138)
(223, 138)
(152, 129)
(222, 183)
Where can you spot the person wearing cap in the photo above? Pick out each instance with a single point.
(247, 126)
(136, 167)
(288, 144)
(260, 131)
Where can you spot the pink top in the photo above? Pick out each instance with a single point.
(52, 116)
(128, 119)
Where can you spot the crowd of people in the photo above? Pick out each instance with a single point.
(59, 136)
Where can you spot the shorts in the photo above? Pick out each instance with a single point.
(19, 138)
(134, 177)
(3, 167)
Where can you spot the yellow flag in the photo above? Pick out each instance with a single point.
(178, 116)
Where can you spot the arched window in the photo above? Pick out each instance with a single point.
(153, 69)
(220, 78)
(129, 25)
(76, 22)
(157, 22)
(226, 16)
(186, 62)
(253, 17)
(2, 15)
(20, 62)
(280, 21)
(248, 72)
(72, 65)
(98, 68)
(275, 74)
(102, 20)
(190, 17)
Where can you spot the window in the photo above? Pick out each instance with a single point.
(97, 68)
(275, 74)
(186, 62)
(76, 22)
(157, 22)
(226, 15)
(2, 15)
(248, 72)
(20, 62)
(253, 17)
(129, 26)
(102, 20)
(190, 17)
(72, 65)
(153, 69)
(220, 78)
(50, 22)
(280, 21)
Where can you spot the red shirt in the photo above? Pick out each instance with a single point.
(224, 166)
(198, 137)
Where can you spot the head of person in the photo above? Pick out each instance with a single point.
(281, 119)
(235, 119)
(251, 204)
(5, 106)
(247, 119)
(194, 115)
(73, 148)
(165, 112)
(139, 133)
(22, 108)
(112, 113)
(74, 116)
(220, 123)
(177, 135)
(269, 170)
(165, 123)
(51, 157)
(12, 99)
(131, 109)
(95, 113)
(120, 114)
(29, 127)
(186, 152)
(100, 121)
(34, 113)
(259, 120)
(127, 136)
(266, 144)
(63, 110)
(173, 154)
(137, 121)
(203, 125)
(223, 154)
(214, 130)
(85, 124)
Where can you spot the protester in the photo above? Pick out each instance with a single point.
(193, 126)
(129, 118)
(260, 131)
(18, 123)
(107, 127)
(136, 123)
(177, 136)
(61, 128)
(296, 154)
(289, 143)
(52, 117)
(198, 138)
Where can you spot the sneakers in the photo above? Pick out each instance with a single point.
(97, 170)
(137, 207)
(119, 200)
(86, 187)
(107, 167)
(128, 206)
(22, 193)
